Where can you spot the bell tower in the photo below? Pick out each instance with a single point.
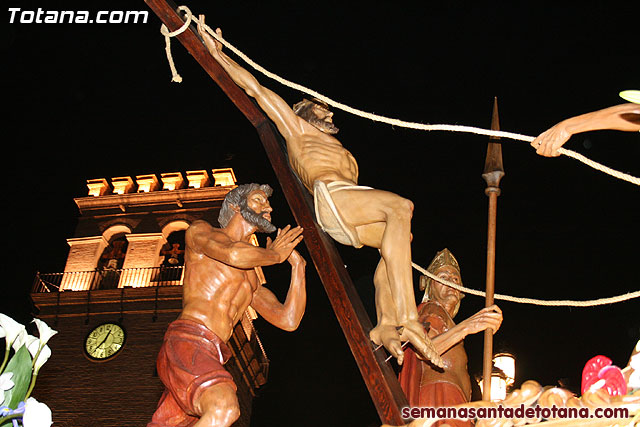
(120, 288)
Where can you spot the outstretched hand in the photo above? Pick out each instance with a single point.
(548, 142)
(624, 117)
(286, 240)
(212, 44)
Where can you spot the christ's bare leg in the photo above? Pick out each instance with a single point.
(218, 406)
(362, 208)
(386, 332)
(383, 221)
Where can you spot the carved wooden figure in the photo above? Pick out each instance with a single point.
(220, 282)
(352, 214)
(429, 385)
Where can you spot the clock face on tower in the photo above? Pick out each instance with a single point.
(104, 341)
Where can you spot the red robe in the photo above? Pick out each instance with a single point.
(428, 386)
(191, 360)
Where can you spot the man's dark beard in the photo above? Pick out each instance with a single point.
(254, 218)
(323, 126)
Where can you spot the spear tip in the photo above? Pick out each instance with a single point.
(493, 168)
(495, 120)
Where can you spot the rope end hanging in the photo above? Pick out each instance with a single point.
(175, 77)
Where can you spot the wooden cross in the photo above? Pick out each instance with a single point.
(379, 377)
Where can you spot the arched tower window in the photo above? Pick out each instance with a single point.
(112, 258)
(113, 255)
(172, 252)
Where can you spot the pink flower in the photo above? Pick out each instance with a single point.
(599, 372)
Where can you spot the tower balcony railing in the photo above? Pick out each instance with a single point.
(246, 347)
(108, 279)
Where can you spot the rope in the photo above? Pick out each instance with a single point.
(549, 303)
(419, 126)
(374, 117)
(600, 167)
(167, 42)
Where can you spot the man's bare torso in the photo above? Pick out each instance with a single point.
(316, 156)
(216, 294)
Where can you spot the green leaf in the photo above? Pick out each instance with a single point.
(20, 365)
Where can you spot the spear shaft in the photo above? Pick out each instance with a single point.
(493, 172)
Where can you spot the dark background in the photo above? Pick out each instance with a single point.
(87, 101)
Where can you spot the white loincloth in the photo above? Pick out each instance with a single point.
(328, 216)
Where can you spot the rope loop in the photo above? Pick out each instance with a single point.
(175, 77)
(165, 31)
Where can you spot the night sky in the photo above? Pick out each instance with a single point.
(91, 101)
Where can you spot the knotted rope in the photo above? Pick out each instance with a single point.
(374, 117)
(549, 303)
(167, 42)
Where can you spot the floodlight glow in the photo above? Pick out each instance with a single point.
(507, 364)
(631, 96)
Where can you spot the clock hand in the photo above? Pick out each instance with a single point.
(105, 338)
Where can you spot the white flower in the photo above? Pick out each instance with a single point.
(635, 359)
(10, 328)
(634, 366)
(5, 384)
(44, 331)
(20, 340)
(33, 344)
(634, 380)
(36, 414)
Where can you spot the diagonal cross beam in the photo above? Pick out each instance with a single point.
(378, 376)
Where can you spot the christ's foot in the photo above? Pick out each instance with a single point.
(414, 332)
(388, 336)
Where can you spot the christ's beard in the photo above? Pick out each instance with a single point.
(254, 218)
(323, 126)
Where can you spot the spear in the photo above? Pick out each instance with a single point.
(493, 172)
